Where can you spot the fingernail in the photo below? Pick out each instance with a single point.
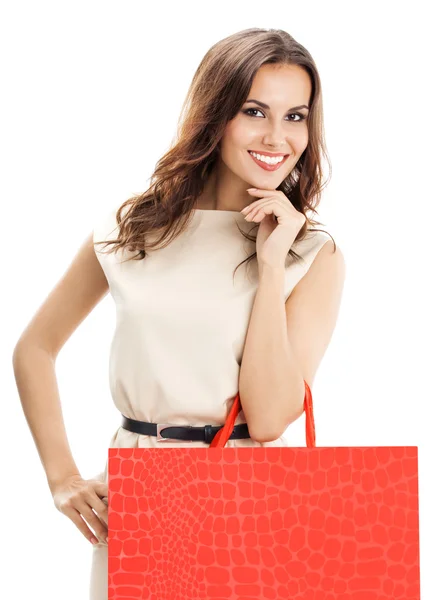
(94, 540)
(106, 540)
(252, 189)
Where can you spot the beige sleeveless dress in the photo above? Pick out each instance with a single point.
(181, 323)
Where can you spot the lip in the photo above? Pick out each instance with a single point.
(264, 165)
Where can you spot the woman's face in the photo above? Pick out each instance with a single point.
(280, 129)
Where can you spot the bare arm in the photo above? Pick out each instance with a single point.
(286, 342)
(79, 290)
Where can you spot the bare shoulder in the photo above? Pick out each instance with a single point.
(328, 266)
(313, 306)
(82, 285)
(331, 252)
(324, 280)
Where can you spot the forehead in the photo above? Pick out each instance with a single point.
(277, 84)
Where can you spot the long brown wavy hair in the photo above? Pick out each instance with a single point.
(218, 90)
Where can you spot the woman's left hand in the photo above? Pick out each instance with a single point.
(279, 222)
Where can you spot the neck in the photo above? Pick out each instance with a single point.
(222, 192)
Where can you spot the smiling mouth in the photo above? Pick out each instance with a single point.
(272, 165)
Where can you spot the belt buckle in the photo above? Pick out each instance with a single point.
(161, 426)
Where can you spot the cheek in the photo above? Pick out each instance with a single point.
(301, 141)
(236, 135)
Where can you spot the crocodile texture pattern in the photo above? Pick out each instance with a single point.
(263, 523)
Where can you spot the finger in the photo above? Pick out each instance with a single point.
(100, 487)
(81, 525)
(262, 193)
(105, 519)
(92, 519)
(248, 210)
(254, 216)
(99, 505)
(266, 207)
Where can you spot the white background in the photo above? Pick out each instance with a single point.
(91, 96)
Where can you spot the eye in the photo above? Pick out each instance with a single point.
(300, 115)
(249, 111)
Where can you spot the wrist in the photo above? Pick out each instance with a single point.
(56, 481)
(271, 272)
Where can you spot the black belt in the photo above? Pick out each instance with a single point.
(168, 431)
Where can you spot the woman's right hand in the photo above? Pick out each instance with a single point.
(78, 498)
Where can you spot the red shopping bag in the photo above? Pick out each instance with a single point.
(263, 522)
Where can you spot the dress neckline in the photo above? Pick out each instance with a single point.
(216, 210)
(221, 213)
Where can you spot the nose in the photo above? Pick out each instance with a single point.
(275, 137)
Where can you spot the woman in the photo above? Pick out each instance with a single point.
(220, 282)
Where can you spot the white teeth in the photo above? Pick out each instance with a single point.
(267, 159)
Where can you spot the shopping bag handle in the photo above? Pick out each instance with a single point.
(221, 437)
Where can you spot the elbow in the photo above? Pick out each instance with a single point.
(265, 434)
(264, 438)
(271, 427)
(16, 354)
(18, 358)
(18, 350)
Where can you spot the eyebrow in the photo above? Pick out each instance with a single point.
(267, 106)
